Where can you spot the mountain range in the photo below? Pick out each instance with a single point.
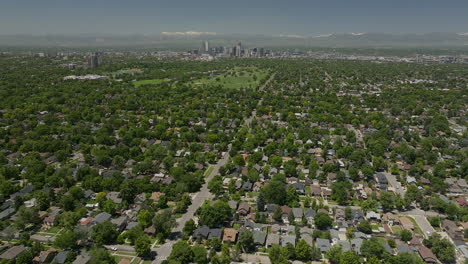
(192, 40)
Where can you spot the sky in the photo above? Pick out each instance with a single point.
(269, 17)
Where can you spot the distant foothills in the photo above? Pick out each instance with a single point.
(191, 39)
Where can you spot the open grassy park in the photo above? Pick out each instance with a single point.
(236, 78)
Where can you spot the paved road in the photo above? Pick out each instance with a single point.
(198, 199)
(163, 251)
(396, 184)
(425, 226)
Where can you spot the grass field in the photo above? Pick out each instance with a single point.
(151, 82)
(246, 77)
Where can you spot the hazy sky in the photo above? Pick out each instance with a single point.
(305, 17)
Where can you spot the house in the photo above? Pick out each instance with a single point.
(297, 213)
(155, 196)
(356, 244)
(373, 216)
(285, 212)
(323, 244)
(410, 180)
(233, 204)
(415, 242)
(427, 255)
(345, 245)
(230, 235)
(247, 186)
(309, 214)
(339, 214)
(334, 235)
(452, 229)
(13, 252)
(61, 257)
(150, 230)
(114, 196)
(390, 219)
(381, 179)
(285, 240)
(300, 188)
(244, 209)
(83, 258)
(120, 222)
(406, 223)
(358, 216)
(462, 201)
(403, 248)
(101, 218)
(215, 233)
(5, 214)
(201, 232)
(86, 221)
(387, 247)
(308, 239)
(45, 256)
(272, 239)
(259, 238)
(253, 226)
(315, 190)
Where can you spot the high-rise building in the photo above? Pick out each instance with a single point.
(204, 48)
(95, 60)
(238, 50)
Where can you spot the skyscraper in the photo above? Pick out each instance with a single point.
(95, 60)
(238, 50)
(204, 48)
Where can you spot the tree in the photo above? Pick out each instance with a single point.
(315, 253)
(199, 254)
(292, 198)
(66, 240)
(104, 233)
(274, 192)
(277, 214)
(334, 254)
(303, 251)
(246, 241)
(442, 247)
(101, 256)
(341, 192)
(24, 258)
(189, 227)
(163, 223)
(181, 252)
(214, 215)
(349, 257)
(387, 201)
(216, 185)
(260, 203)
(143, 246)
(365, 227)
(278, 255)
(144, 218)
(406, 235)
(372, 247)
(322, 221)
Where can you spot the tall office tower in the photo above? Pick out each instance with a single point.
(238, 49)
(261, 52)
(204, 48)
(95, 60)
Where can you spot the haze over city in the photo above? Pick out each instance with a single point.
(269, 17)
